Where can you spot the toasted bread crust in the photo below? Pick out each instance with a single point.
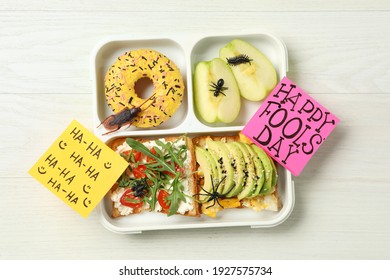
(192, 177)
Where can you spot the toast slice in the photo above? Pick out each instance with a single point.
(144, 179)
(231, 188)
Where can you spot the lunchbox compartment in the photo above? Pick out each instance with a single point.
(207, 48)
(226, 218)
(186, 52)
(107, 53)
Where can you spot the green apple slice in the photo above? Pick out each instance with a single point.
(255, 74)
(214, 105)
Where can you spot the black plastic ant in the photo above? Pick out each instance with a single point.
(140, 187)
(214, 195)
(218, 87)
(126, 116)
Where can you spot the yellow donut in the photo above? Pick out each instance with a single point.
(167, 81)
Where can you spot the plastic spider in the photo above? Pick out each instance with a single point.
(214, 195)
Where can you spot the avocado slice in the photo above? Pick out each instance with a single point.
(274, 173)
(259, 169)
(208, 167)
(217, 176)
(219, 150)
(250, 175)
(238, 163)
(268, 169)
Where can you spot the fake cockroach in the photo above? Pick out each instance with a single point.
(126, 116)
(239, 59)
(218, 87)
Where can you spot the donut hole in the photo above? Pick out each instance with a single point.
(144, 88)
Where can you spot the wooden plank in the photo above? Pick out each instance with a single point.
(33, 123)
(325, 212)
(338, 52)
(196, 6)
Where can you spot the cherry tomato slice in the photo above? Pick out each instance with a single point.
(149, 159)
(177, 168)
(139, 171)
(162, 195)
(130, 200)
(137, 155)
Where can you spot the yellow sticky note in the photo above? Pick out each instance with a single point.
(79, 168)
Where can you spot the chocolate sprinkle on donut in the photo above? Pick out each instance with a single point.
(134, 65)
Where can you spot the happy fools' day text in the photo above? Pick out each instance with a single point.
(290, 126)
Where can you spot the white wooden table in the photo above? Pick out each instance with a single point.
(339, 52)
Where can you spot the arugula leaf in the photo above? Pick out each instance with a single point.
(164, 159)
(175, 197)
(124, 182)
(141, 148)
(174, 154)
(153, 191)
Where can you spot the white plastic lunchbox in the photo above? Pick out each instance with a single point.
(186, 52)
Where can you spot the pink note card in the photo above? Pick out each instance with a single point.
(290, 126)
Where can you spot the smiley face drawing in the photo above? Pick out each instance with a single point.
(62, 145)
(85, 187)
(107, 165)
(41, 170)
(86, 203)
